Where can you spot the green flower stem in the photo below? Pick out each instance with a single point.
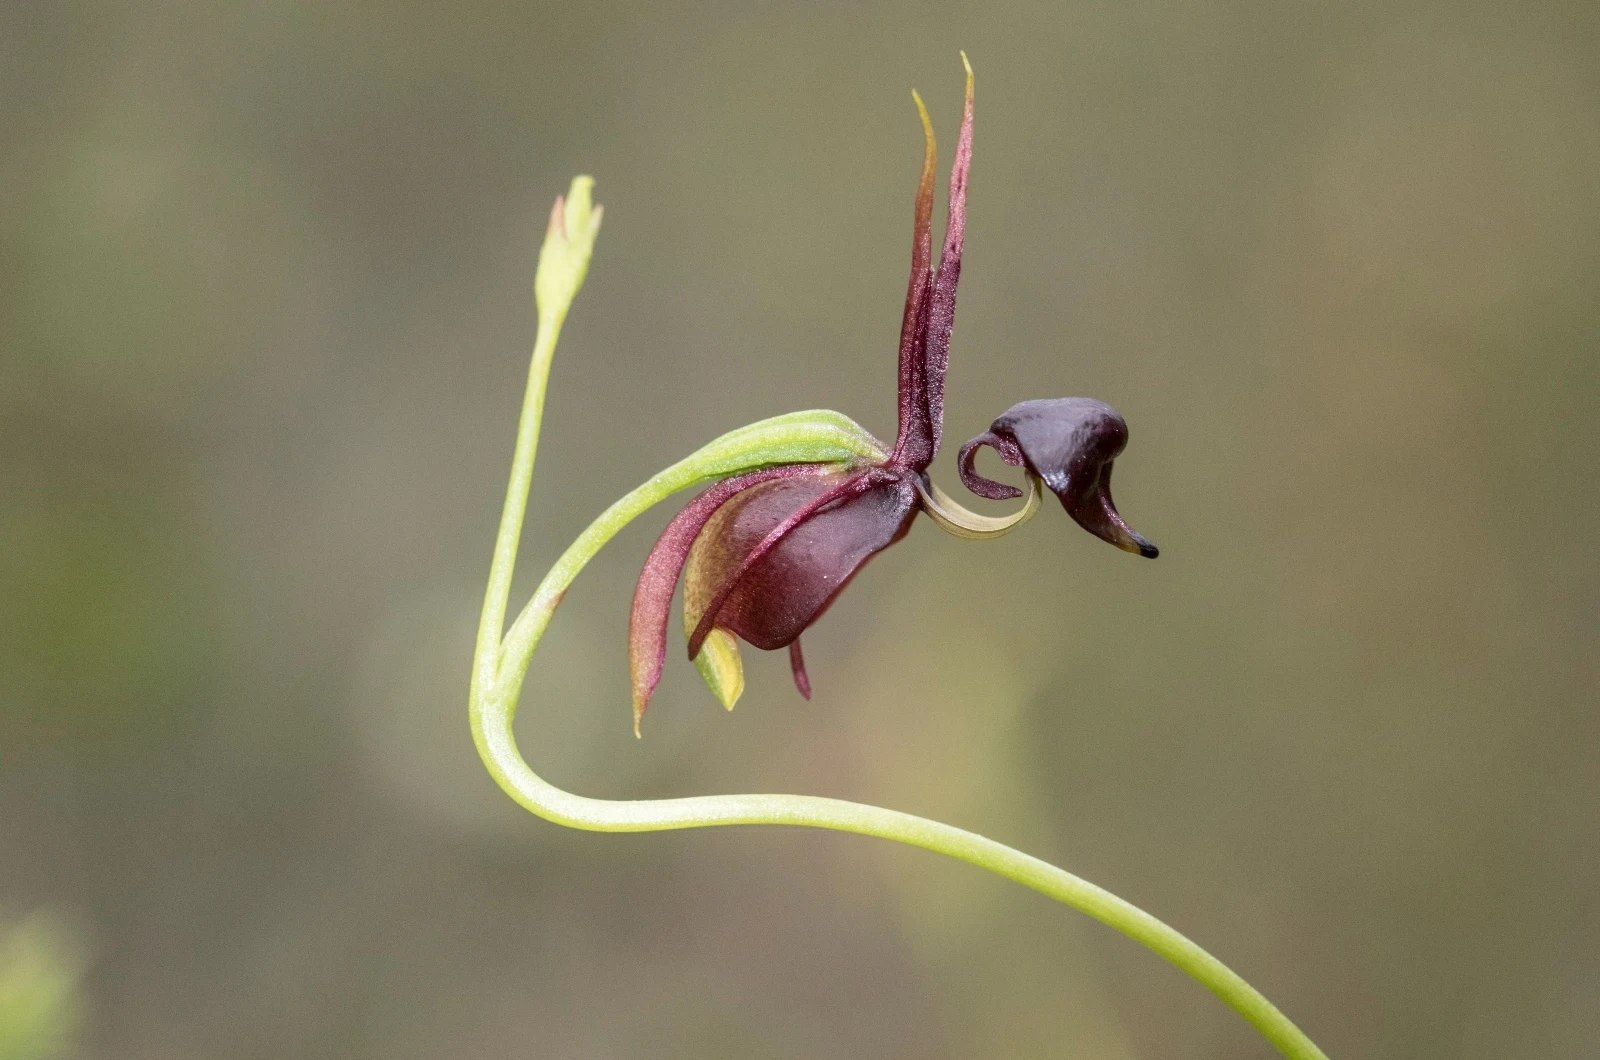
(499, 669)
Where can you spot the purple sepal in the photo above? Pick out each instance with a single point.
(652, 596)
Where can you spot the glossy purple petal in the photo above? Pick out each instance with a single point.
(1070, 444)
(771, 560)
(652, 597)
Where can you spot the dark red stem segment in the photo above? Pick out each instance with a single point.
(797, 663)
(652, 597)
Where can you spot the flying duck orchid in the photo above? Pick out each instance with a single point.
(793, 507)
(763, 553)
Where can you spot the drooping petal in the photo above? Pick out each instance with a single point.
(1069, 443)
(652, 597)
(914, 430)
(771, 559)
(942, 309)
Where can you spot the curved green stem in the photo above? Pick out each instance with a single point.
(499, 669)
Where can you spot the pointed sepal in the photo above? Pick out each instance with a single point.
(942, 306)
(930, 309)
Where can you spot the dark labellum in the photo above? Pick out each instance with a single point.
(1069, 443)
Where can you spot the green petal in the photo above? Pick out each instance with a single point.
(719, 663)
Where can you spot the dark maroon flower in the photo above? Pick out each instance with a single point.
(764, 553)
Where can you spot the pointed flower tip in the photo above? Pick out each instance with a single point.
(719, 664)
(580, 195)
(581, 215)
(797, 664)
(967, 63)
(922, 112)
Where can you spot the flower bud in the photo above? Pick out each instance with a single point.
(568, 245)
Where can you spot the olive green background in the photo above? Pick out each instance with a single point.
(265, 308)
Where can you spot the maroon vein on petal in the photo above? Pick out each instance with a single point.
(853, 486)
(797, 663)
(652, 596)
(942, 310)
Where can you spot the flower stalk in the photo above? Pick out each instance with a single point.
(827, 443)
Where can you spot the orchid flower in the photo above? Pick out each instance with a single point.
(796, 505)
(763, 554)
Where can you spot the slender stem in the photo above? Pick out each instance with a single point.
(486, 659)
(498, 672)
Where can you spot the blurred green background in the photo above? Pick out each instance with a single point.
(264, 311)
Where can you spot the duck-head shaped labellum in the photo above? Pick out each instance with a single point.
(1069, 444)
(764, 553)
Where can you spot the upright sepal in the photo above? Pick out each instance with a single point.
(942, 306)
(915, 433)
(930, 309)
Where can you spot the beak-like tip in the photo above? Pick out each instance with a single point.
(1099, 516)
(1135, 543)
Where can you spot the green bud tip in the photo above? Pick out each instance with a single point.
(568, 245)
